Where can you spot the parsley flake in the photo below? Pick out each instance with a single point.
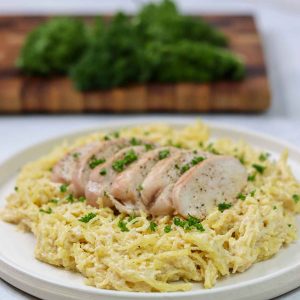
(241, 196)
(252, 177)
(63, 188)
(259, 168)
(167, 229)
(103, 172)
(123, 226)
(296, 198)
(264, 156)
(94, 162)
(153, 226)
(88, 217)
(163, 154)
(135, 142)
(120, 164)
(46, 211)
(223, 206)
(81, 199)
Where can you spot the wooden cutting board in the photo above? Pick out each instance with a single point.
(26, 94)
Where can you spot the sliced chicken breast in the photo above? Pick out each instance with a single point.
(103, 176)
(63, 171)
(128, 185)
(216, 180)
(90, 160)
(158, 185)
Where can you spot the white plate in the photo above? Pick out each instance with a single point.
(17, 264)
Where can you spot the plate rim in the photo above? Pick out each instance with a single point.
(132, 123)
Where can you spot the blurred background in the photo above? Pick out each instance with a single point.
(240, 65)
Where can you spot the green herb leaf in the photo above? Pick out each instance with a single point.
(259, 168)
(103, 172)
(252, 177)
(94, 162)
(264, 156)
(132, 217)
(252, 193)
(196, 160)
(106, 138)
(123, 226)
(87, 217)
(149, 147)
(152, 226)
(296, 198)
(167, 229)
(16, 188)
(81, 199)
(135, 142)
(241, 196)
(46, 211)
(63, 188)
(223, 206)
(163, 154)
(120, 164)
(70, 198)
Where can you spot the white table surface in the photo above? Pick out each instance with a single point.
(279, 25)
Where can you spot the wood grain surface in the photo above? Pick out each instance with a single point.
(19, 93)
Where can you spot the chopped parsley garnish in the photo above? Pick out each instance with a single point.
(55, 201)
(259, 168)
(274, 207)
(46, 211)
(16, 188)
(167, 229)
(210, 148)
(191, 222)
(76, 154)
(120, 164)
(152, 226)
(252, 193)
(135, 142)
(149, 147)
(296, 198)
(81, 199)
(139, 188)
(264, 156)
(290, 225)
(132, 217)
(94, 162)
(103, 172)
(223, 206)
(252, 177)
(70, 198)
(163, 154)
(184, 168)
(63, 188)
(123, 226)
(88, 217)
(196, 160)
(241, 196)
(106, 138)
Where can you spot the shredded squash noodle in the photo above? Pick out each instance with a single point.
(140, 253)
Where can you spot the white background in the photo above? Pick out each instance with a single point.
(279, 24)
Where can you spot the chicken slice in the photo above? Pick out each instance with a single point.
(158, 185)
(63, 170)
(216, 180)
(102, 177)
(90, 160)
(127, 186)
